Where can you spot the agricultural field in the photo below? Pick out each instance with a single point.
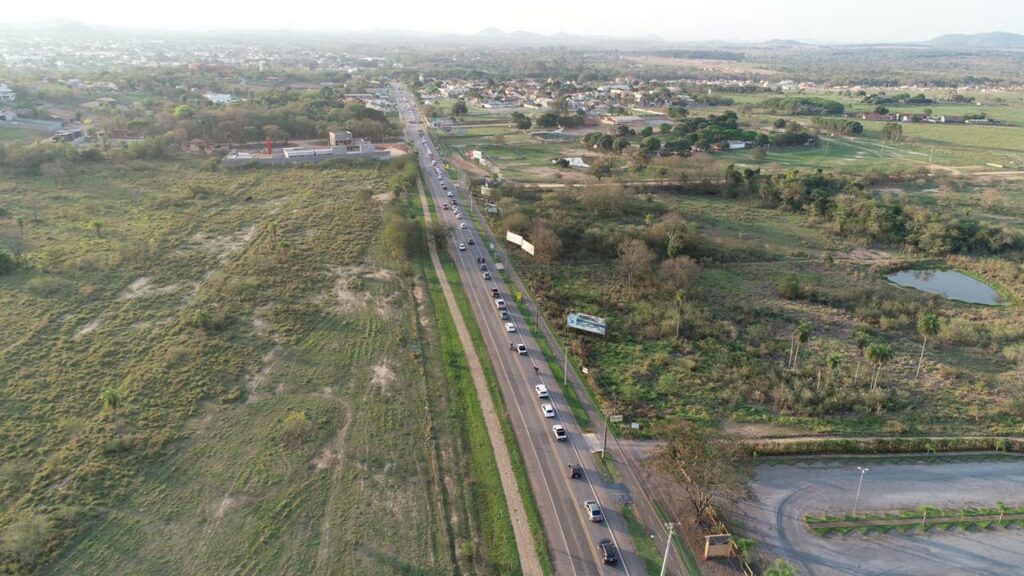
(790, 500)
(230, 372)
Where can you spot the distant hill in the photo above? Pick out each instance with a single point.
(994, 40)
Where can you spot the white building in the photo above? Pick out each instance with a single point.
(6, 94)
(218, 98)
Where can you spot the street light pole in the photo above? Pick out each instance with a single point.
(859, 483)
(668, 544)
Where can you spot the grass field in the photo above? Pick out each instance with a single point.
(283, 406)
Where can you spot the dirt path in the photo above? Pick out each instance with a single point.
(528, 559)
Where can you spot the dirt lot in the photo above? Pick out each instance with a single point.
(784, 494)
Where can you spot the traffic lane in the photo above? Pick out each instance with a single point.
(593, 487)
(525, 396)
(536, 427)
(532, 431)
(579, 494)
(577, 548)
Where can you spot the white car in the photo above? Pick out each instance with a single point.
(462, 225)
(458, 215)
(559, 432)
(462, 247)
(548, 410)
(542, 391)
(510, 327)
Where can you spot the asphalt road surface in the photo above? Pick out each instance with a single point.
(784, 494)
(573, 539)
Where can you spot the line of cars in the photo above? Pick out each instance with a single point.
(591, 508)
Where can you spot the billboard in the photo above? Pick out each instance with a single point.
(527, 247)
(514, 238)
(586, 323)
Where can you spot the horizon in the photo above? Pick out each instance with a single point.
(797, 21)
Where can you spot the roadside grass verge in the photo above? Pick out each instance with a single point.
(924, 518)
(642, 540)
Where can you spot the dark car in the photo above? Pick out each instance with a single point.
(608, 553)
(575, 470)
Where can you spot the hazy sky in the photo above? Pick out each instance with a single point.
(821, 20)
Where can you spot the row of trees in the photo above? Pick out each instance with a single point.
(853, 212)
(841, 125)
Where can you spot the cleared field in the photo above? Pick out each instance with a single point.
(282, 405)
(783, 495)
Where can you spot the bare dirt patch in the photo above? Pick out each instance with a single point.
(262, 376)
(228, 503)
(384, 197)
(383, 376)
(327, 458)
(223, 246)
(350, 299)
(87, 328)
(865, 255)
(143, 286)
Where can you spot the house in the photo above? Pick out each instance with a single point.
(476, 155)
(951, 119)
(737, 144)
(574, 161)
(878, 117)
(339, 137)
(630, 121)
(6, 94)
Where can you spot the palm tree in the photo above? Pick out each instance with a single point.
(879, 355)
(111, 401)
(927, 326)
(832, 361)
(801, 335)
(861, 338)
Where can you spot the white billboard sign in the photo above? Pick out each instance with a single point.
(514, 238)
(527, 247)
(587, 323)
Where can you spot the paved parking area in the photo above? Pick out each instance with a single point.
(782, 495)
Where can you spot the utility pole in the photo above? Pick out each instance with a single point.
(604, 443)
(668, 544)
(859, 483)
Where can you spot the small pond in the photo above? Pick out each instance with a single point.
(949, 283)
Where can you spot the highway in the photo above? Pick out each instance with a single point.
(572, 538)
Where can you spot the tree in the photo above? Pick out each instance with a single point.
(111, 402)
(779, 123)
(275, 133)
(647, 131)
(927, 326)
(715, 465)
(678, 273)
(98, 227)
(547, 120)
(650, 144)
(801, 334)
(521, 121)
(861, 339)
(635, 259)
(606, 142)
(546, 244)
(459, 108)
(892, 132)
(881, 110)
(879, 355)
(184, 112)
(833, 361)
(620, 144)
(600, 168)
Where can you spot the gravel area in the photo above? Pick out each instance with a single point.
(782, 495)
